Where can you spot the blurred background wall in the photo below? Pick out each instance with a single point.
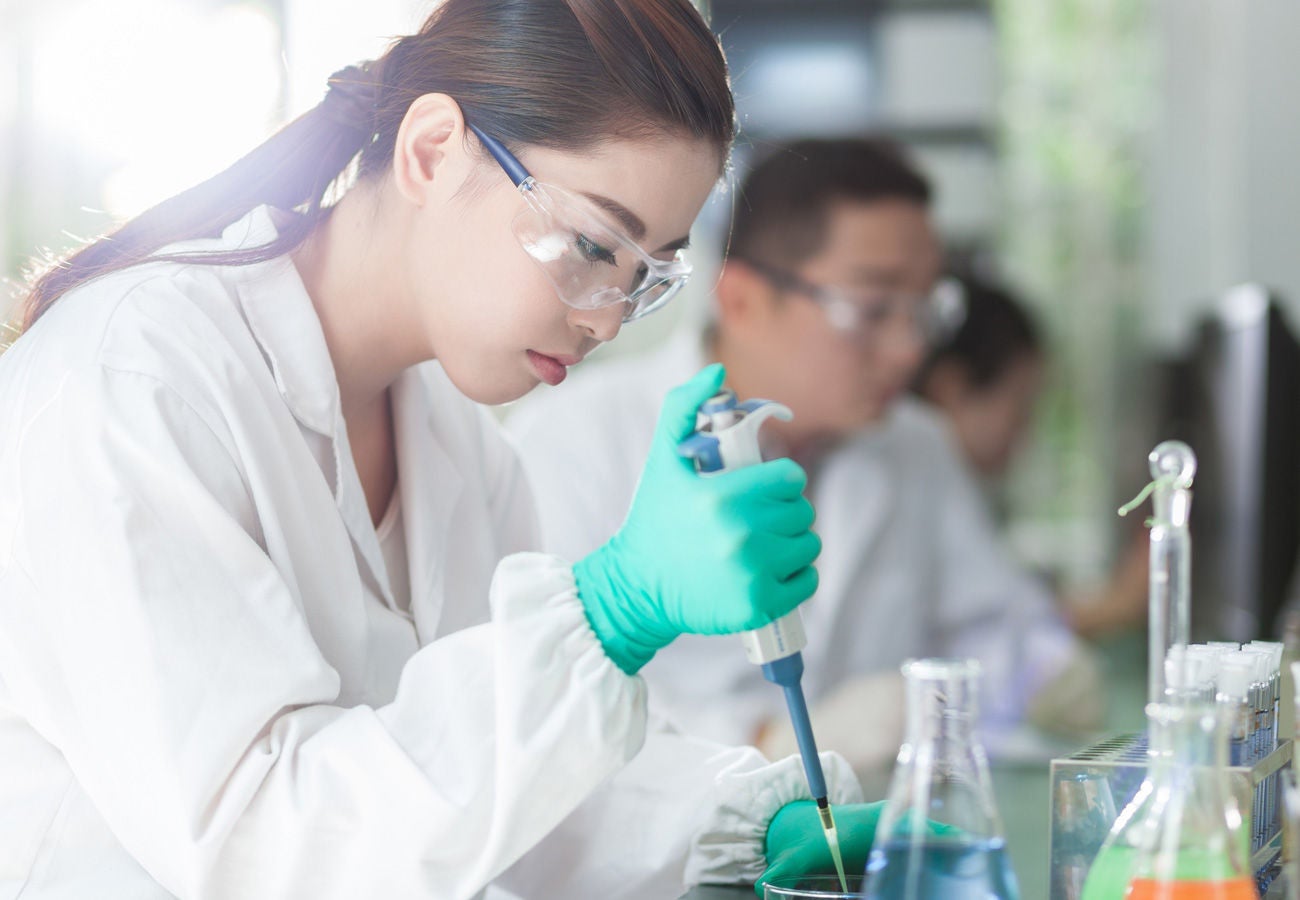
(1121, 162)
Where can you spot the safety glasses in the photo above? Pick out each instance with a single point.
(933, 316)
(589, 260)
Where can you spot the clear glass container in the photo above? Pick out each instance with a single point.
(940, 836)
(1181, 837)
(1084, 810)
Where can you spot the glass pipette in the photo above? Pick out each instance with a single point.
(1173, 467)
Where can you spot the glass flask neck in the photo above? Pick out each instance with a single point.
(1186, 736)
(939, 834)
(942, 700)
(941, 777)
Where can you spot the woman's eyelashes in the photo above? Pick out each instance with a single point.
(593, 252)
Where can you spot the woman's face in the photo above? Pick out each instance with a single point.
(991, 421)
(492, 317)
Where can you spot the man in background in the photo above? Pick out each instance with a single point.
(826, 303)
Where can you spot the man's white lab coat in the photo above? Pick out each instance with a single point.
(911, 565)
(206, 686)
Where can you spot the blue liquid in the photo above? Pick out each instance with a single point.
(947, 870)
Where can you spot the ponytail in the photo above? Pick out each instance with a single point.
(560, 74)
(293, 169)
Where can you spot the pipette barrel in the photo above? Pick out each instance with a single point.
(787, 673)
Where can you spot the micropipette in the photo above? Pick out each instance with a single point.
(726, 438)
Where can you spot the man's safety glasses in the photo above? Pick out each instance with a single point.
(589, 260)
(933, 316)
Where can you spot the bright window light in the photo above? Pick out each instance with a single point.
(318, 46)
(793, 86)
(166, 94)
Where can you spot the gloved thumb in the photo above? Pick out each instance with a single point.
(677, 416)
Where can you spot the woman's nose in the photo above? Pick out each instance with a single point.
(603, 323)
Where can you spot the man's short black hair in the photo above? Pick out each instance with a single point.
(784, 203)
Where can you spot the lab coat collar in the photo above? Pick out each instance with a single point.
(430, 484)
(285, 325)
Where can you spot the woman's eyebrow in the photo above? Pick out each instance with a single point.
(630, 220)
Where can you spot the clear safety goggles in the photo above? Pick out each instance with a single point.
(589, 260)
(934, 316)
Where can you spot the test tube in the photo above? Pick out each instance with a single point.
(1274, 649)
(1295, 711)
(1234, 681)
(1271, 785)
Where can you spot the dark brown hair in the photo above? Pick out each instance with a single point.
(785, 201)
(996, 332)
(561, 74)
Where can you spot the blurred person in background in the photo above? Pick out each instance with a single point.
(266, 629)
(826, 303)
(986, 377)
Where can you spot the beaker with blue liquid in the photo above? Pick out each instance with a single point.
(940, 836)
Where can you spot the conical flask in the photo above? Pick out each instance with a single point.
(939, 836)
(1181, 837)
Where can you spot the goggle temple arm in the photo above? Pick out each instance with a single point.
(514, 169)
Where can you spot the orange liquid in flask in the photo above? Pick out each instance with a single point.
(1236, 889)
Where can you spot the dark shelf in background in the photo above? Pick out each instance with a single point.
(942, 135)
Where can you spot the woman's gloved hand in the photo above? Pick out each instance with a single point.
(796, 843)
(700, 555)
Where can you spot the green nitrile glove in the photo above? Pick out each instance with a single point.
(796, 842)
(699, 555)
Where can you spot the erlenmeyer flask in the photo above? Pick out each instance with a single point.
(939, 836)
(1181, 837)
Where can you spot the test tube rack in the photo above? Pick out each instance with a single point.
(1091, 787)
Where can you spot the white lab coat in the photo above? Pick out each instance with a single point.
(911, 565)
(206, 686)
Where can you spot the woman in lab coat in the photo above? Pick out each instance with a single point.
(249, 531)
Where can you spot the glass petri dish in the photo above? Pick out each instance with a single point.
(813, 887)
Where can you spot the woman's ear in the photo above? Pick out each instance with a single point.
(430, 153)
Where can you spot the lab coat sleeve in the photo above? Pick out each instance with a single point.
(686, 811)
(731, 847)
(989, 608)
(148, 636)
(631, 838)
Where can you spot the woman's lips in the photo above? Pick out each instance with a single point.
(551, 369)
